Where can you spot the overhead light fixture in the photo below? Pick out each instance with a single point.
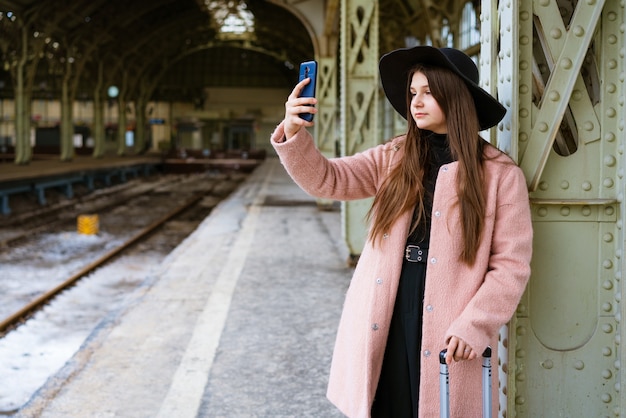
(113, 91)
(231, 18)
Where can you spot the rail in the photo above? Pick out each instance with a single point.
(26, 311)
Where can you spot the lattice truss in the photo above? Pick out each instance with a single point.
(359, 79)
(559, 80)
(586, 83)
(326, 94)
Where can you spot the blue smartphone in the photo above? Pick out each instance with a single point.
(308, 69)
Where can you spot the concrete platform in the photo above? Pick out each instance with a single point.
(46, 166)
(45, 172)
(240, 320)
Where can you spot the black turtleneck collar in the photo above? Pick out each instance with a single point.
(439, 147)
(433, 135)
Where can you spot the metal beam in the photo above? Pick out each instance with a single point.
(358, 101)
(559, 89)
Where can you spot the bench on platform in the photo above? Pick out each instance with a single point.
(5, 192)
(67, 181)
(122, 172)
(63, 182)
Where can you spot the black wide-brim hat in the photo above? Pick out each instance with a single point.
(395, 66)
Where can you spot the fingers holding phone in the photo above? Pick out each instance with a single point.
(300, 105)
(308, 70)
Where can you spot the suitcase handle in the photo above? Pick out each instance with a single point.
(444, 384)
(442, 355)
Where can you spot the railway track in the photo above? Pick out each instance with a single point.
(22, 314)
(58, 286)
(41, 220)
(217, 190)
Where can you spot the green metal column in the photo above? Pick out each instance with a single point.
(98, 114)
(499, 75)
(67, 120)
(358, 101)
(567, 331)
(141, 104)
(23, 150)
(327, 116)
(121, 116)
(325, 129)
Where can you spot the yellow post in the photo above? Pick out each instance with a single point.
(88, 224)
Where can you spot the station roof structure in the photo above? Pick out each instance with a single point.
(181, 46)
(175, 48)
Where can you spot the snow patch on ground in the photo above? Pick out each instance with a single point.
(32, 353)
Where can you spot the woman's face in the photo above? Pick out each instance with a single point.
(425, 110)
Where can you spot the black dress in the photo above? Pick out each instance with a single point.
(398, 387)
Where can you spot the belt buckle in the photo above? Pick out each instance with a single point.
(409, 250)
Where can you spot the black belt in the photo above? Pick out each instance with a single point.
(416, 254)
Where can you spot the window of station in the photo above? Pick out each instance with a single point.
(469, 29)
(447, 37)
(232, 19)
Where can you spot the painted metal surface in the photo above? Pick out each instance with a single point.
(567, 331)
(358, 101)
(499, 43)
(327, 95)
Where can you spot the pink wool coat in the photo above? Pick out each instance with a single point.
(470, 302)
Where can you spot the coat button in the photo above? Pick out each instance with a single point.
(429, 308)
(427, 353)
(379, 281)
(437, 213)
(433, 260)
(444, 168)
(385, 236)
(375, 327)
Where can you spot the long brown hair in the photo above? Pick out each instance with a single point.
(404, 187)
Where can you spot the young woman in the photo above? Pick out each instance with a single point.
(448, 252)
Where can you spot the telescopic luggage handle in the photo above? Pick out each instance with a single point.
(444, 384)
